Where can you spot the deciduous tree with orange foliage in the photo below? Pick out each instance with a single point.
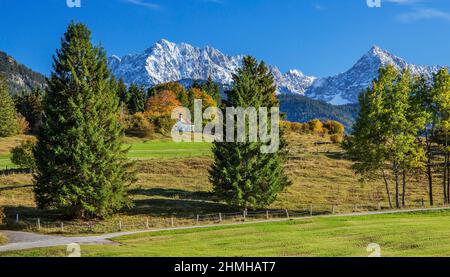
(162, 104)
(159, 109)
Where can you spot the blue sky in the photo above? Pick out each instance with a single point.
(319, 37)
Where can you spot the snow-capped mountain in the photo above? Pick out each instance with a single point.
(345, 87)
(166, 61)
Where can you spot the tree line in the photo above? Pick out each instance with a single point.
(402, 132)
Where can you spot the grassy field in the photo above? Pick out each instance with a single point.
(6, 144)
(167, 149)
(139, 149)
(399, 235)
(178, 186)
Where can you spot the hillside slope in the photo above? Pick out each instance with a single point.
(302, 109)
(20, 78)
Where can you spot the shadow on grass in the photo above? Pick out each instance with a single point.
(15, 187)
(174, 193)
(336, 155)
(181, 207)
(27, 215)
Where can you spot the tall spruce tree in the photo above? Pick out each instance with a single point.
(242, 175)
(81, 165)
(8, 117)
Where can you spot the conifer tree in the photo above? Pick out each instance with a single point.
(122, 92)
(211, 88)
(29, 104)
(242, 175)
(8, 117)
(81, 165)
(137, 99)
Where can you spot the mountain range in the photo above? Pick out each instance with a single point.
(167, 61)
(301, 97)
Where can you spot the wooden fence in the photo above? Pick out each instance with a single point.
(158, 222)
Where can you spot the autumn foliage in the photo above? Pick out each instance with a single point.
(162, 104)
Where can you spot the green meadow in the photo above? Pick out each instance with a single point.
(147, 149)
(398, 235)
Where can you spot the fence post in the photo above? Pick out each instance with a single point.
(244, 214)
(17, 218)
(310, 209)
(287, 214)
(120, 225)
(220, 217)
(171, 222)
(62, 226)
(39, 224)
(147, 224)
(267, 215)
(198, 219)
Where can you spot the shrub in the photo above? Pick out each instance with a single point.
(164, 124)
(293, 126)
(23, 155)
(316, 126)
(334, 127)
(337, 138)
(138, 125)
(23, 125)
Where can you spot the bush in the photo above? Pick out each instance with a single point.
(164, 124)
(138, 125)
(316, 126)
(23, 155)
(23, 125)
(337, 138)
(334, 127)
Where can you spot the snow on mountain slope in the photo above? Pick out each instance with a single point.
(166, 61)
(344, 88)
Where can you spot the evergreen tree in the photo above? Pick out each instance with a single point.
(8, 117)
(211, 88)
(122, 92)
(81, 165)
(137, 99)
(241, 174)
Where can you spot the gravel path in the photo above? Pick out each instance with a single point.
(24, 240)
